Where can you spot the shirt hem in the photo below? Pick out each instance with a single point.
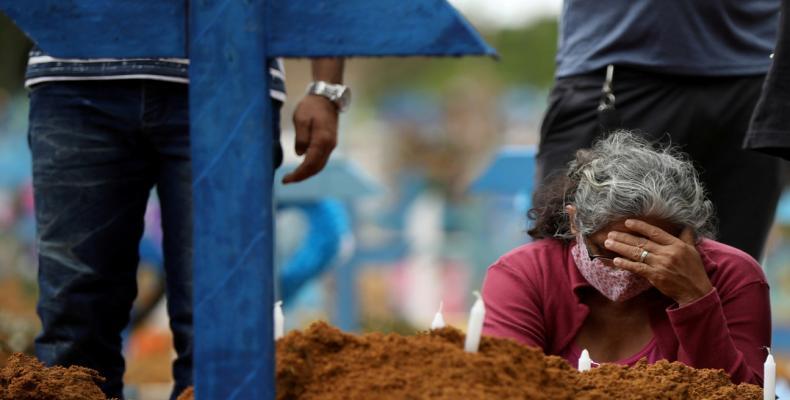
(29, 83)
(666, 70)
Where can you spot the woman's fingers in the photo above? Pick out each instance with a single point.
(638, 268)
(651, 232)
(626, 250)
(632, 240)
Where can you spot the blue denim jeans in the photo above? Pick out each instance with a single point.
(98, 149)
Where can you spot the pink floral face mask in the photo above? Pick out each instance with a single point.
(614, 283)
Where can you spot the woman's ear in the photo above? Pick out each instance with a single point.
(570, 209)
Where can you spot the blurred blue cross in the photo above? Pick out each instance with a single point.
(227, 42)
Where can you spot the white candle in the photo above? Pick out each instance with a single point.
(438, 320)
(475, 327)
(279, 320)
(585, 363)
(769, 377)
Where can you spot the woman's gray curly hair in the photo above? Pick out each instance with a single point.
(624, 176)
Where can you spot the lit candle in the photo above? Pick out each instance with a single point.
(769, 377)
(585, 363)
(438, 320)
(279, 320)
(475, 326)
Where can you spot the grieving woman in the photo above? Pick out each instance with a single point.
(623, 265)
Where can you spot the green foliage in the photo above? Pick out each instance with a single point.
(526, 58)
(528, 54)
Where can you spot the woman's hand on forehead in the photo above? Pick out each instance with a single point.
(672, 264)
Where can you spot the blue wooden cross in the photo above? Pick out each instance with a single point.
(228, 43)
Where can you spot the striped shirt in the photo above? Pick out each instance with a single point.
(43, 68)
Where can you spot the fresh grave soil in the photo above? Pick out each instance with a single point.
(325, 363)
(25, 378)
(662, 380)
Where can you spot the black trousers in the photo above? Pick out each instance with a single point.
(707, 117)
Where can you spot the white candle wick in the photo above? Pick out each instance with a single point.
(475, 327)
(585, 363)
(769, 377)
(279, 320)
(438, 319)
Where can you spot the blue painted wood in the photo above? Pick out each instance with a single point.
(103, 28)
(231, 142)
(139, 28)
(372, 28)
(511, 172)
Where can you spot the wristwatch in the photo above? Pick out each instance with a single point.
(336, 93)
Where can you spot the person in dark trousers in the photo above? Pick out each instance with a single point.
(103, 133)
(769, 130)
(685, 72)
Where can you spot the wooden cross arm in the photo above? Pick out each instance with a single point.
(294, 28)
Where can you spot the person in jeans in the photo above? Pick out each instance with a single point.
(103, 133)
(682, 72)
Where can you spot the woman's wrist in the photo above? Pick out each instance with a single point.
(698, 294)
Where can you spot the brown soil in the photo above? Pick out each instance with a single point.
(25, 378)
(662, 380)
(324, 363)
(328, 364)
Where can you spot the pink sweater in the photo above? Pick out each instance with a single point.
(531, 296)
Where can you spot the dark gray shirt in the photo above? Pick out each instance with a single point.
(686, 37)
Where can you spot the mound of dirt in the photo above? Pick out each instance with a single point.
(25, 378)
(325, 363)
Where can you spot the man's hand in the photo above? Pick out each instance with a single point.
(315, 121)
